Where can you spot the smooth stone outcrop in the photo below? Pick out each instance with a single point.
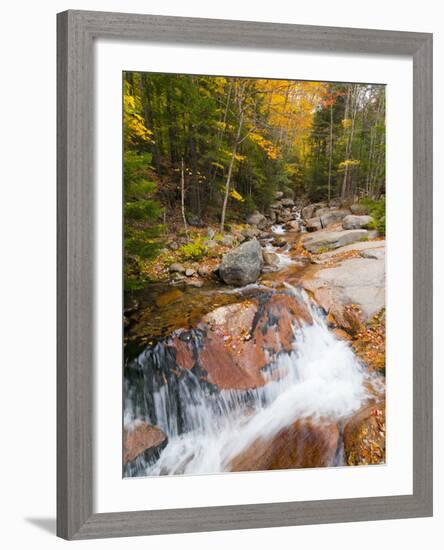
(234, 343)
(333, 239)
(242, 265)
(359, 281)
(356, 222)
(373, 254)
(257, 219)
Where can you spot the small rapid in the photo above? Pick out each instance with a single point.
(319, 379)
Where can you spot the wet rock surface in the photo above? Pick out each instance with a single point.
(304, 444)
(142, 439)
(364, 436)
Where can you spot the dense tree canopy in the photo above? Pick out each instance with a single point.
(214, 149)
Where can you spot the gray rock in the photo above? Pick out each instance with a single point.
(211, 244)
(373, 254)
(358, 209)
(194, 220)
(227, 240)
(278, 195)
(356, 222)
(270, 258)
(322, 211)
(284, 216)
(333, 239)
(203, 271)
(333, 216)
(189, 272)
(279, 241)
(313, 224)
(308, 211)
(272, 216)
(257, 219)
(177, 268)
(173, 245)
(287, 202)
(242, 265)
(358, 281)
(250, 232)
(293, 225)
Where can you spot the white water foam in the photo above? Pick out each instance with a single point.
(278, 229)
(321, 379)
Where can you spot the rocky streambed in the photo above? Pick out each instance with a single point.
(279, 372)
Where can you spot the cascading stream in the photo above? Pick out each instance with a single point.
(319, 379)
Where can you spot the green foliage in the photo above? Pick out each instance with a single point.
(376, 209)
(194, 250)
(141, 213)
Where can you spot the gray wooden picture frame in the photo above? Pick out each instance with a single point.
(77, 31)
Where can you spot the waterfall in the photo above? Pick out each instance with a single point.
(319, 379)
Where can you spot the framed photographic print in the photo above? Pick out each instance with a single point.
(244, 274)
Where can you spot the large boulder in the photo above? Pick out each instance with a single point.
(257, 219)
(333, 216)
(242, 265)
(356, 222)
(323, 241)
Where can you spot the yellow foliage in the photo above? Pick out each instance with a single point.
(236, 195)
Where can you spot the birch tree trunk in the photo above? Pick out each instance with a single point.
(230, 171)
(182, 196)
(330, 153)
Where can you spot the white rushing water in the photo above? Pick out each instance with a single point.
(320, 378)
(278, 229)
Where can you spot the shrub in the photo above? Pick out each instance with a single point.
(194, 250)
(376, 209)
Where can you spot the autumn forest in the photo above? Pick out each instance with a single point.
(254, 274)
(212, 150)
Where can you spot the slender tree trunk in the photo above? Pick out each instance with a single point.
(354, 105)
(330, 152)
(148, 115)
(230, 170)
(182, 195)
